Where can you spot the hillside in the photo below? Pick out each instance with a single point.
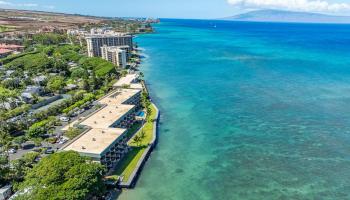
(25, 21)
(22, 20)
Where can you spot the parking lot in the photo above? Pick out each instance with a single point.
(57, 132)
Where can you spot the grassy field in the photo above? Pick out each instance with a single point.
(128, 164)
(4, 28)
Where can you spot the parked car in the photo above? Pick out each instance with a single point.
(37, 150)
(28, 145)
(37, 159)
(49, 151)
(12, 151)
(62, 141)
(46, 136)
(64, 119)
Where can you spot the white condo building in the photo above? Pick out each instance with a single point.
(96, 41)
(105, 139)
(116, 55)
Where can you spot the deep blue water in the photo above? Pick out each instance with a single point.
(249, 111)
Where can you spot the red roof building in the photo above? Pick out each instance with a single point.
(5, 52)
(12, 47)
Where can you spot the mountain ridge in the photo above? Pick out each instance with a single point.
(270, 15)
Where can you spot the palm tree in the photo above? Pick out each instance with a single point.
(142, 134)
(137, 139)
(5, 142)
(149, 112)
(141, 75)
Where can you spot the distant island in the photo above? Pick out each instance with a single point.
(288, 16)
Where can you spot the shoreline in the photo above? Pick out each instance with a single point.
(132, 181)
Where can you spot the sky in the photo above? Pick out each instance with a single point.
(190, 9)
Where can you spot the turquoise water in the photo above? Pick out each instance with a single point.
(249, 111)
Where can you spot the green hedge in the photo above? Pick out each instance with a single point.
(15, 56)
(38, 129)
(98, 65)
(14, 112)
(77, 104)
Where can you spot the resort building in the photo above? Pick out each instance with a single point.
(5, 52)
(12, 47)
(127, 50)
(105, 138)
(96, 41)
(123, 96)
(106, 146)
(112, 116)
(115, 55)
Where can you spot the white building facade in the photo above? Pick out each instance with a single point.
(115, 55)
(96, 41)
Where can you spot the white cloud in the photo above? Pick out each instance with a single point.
(8, 4)
(293, 5)
(5, 3)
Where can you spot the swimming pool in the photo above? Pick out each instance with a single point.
(141, 114)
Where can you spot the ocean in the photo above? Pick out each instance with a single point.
(248, 111)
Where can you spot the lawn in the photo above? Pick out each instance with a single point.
(148, 129)
(129, 162)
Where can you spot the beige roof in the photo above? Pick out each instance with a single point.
(136, 86)
(119, 96)
(95, 141)
(105, 117)
(127, 80)
(101, 135)
(70, 125)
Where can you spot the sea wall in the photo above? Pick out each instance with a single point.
(137, 171)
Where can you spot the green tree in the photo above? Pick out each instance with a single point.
(79, 73)
(49, 50)
(11, 83)
(142, 134)
(39, 129)
(65, 175)
(141, 76)
(72, 132)
(5, 142)
(149, 112)
(4, 169)
(5, 94)
(49, 38)
(100, 66)
(56, 84)
(137, 140)
(20, 166)
(34, 63)
(36, 130)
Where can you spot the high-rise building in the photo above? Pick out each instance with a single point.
(127, 49)
(115, 54)
(96, 41)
